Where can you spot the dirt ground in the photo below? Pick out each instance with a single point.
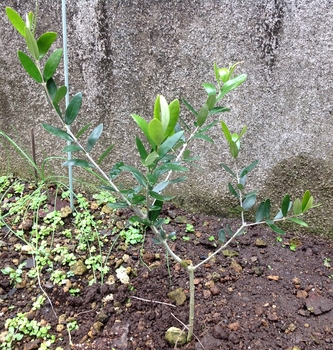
(260, 293)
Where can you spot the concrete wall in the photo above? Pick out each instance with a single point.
(122, 53)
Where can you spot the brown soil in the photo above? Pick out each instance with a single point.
(258, 295)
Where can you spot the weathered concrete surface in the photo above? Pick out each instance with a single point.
(123, 53)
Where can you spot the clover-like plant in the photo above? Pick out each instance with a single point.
(163, 152)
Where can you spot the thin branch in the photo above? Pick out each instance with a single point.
(152, 301)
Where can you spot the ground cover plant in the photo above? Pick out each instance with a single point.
(163, 153)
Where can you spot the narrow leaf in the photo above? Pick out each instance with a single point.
(249, 202)
(232, 190)
(150, 159)
(169, 143)
(83, 130)
(51, 88)
(174, 109)
(57, 132)
(222, 236)
(154, 213)
(44, 43)
(202, 136)
(157, 108)
(156, 131)
(72, 148)
(73, 108)
(31, 44)
(143, 125)
(297, 207)
(165, 114)
(189, 107)
(209, 126)
(93, 137)
(210, 88)
(250, 167)
(118, 205)
(285, 205)
(234, 149)
(30, 67)
(57, 109)
(202, 115)
(260, 213)
(52, 64)
(60, 94)
(169, 167)
(276, 229)
(217, 110)
(78, 162)
(16, 20)
(231, 84)
(136, 174)
(226, 131)
(227, 169)
(210, 102)
(116, 170)
(298, 221)
(161, 186)
(105, 154)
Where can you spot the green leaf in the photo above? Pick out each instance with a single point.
(217, 110)
(161, 186)
(202, 136)
(243, 131)
(78, 162)
(57, 132)
(118, 205)
(232, 190)
(222, 236)
(31, 44)
(156, 131)
(226, 131)
(276, 229)
(231, 84)
(242, 180)
(202, 115)
(137, 199)
(30, 66)
(159, 197)
(157, 108)
(211, 100)
(285, 206)
(174, 109)
(150, 159)
(209, 126)
(279, 215)
(210, 88)
(16, 20)
(116, 170)
(307, 201)
(165, 114)
(136, 174)
(83, 130)
(250, 167)
(298, 221)
(51, 88)
(44, 43)
(93, 137)
(52, 64)
(143, 125)
(172, 166)
(260, 213)
(169, 143)
(154, 213)
(234, 149)
(240, 187)
(105, 154)
(73, 108)
(189, 107)
(227, 169)
(72, 148)
(60, 94)
(297, 207)
(249, 202)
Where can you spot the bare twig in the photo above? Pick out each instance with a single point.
(152, 301)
